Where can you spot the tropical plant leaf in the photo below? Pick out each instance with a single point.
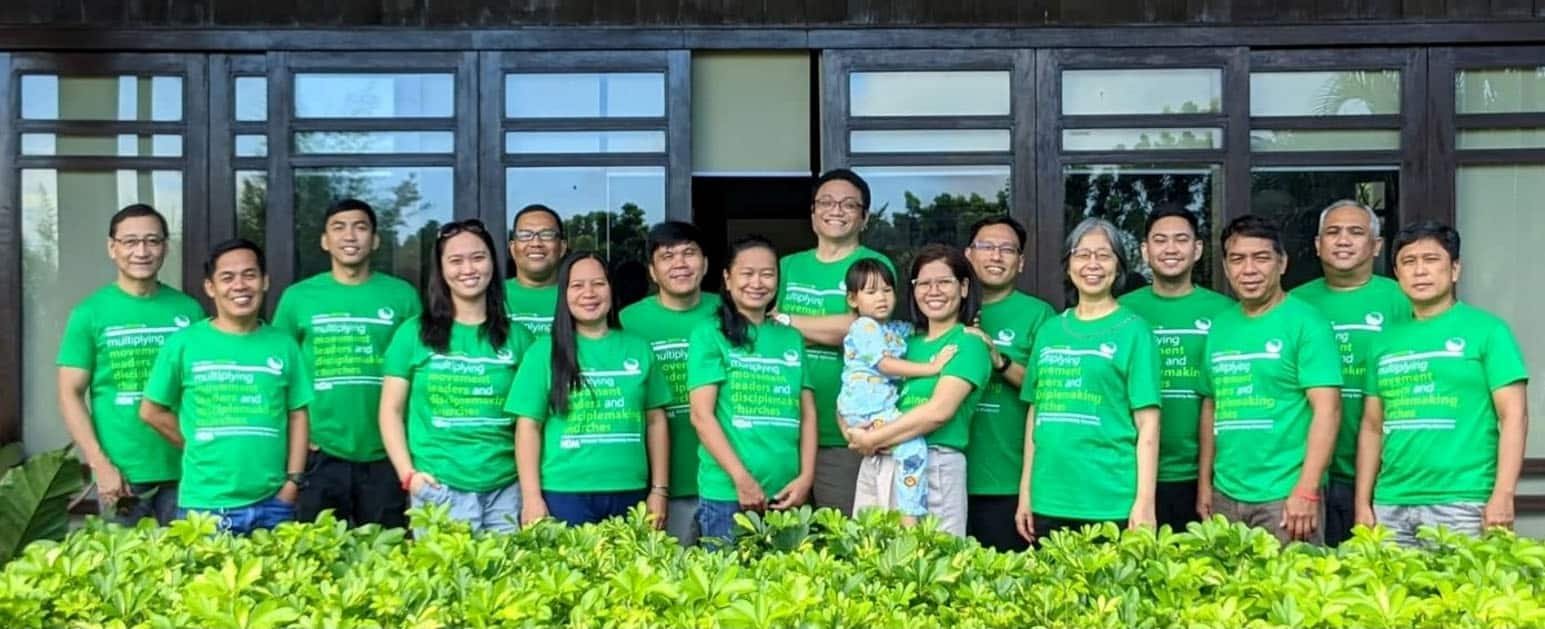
(35, 500)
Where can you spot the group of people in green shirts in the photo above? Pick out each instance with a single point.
(1352, 399)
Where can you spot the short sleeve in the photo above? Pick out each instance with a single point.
(705, 357)
(519, 340)
(971, 363)
(528, 395)
(284, 316)
(804, 370)
(77, 347)
(783, 280)
(1143, 369)
(657, 391)
(1502, 359)
(1032, 373)
(410, 304)
(164, 384)
(398, 362)
(1204, 379)
(299, 391)
(1319, 361)
(864, 345)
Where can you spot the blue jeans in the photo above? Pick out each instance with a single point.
(497, 510)
(575, 509)
(716, 520)
(264, 514)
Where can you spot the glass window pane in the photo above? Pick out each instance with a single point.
(597, 95)
(252, 146)
(251, 204)
(1500, 91)
(1344, 93)
(584, 142)
(1146, 91)
(122, 145)
(1296, 195)
(1141, 139)
(915, 205)
(976, 93)
(608, 210)
(1502, 139)
(411, 203)
(1499, 219)
(929, 141)
(1266, 141)
(251, 98)
(142, 98)
(1125, 195)
(355, 142)
(374, 95)
(64, 228)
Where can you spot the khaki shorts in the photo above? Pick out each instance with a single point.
(946, 481)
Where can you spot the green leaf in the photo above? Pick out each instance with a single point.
(35, 500)
(10, 456)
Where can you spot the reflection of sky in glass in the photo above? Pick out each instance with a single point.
(251, 98)
(584, 142)
(1148, 91)
(888, 184)
(1502, 90)
(1324, 93)
(1141, 139)
(435, 185)
(1325, 140)
(357, 142)
(929, 141)
(611, 95)
(374, 95)
(251, 146)
(581, 190)
(48, 97)
(973, 93)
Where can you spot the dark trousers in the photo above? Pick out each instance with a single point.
(1045, 525)
(1340, 512)
(575, 509)
(357, 493)
(157, 501)
(1175, 504)
(990, 519)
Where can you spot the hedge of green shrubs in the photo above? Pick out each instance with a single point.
(795, 569)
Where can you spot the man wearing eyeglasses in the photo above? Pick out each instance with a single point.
(343, 320)
(537, 244)
(105, 355)
(996, 452)
(813, 298)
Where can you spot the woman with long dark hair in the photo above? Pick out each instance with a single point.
(590, 437)
(751, 400)
(450, 369)
(945, 299)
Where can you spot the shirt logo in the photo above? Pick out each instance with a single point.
(630, 365)
(1274, 347)
(275, 364)
(791, 357)
(842, 286)
(386, 314)
(1374, 319)
(181, 321)
(504, 354)
(1006, 335)
(1108, 350)
(1204, 324)
(1455, 345)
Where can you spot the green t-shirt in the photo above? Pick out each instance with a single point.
(668, 332)
(997, 449)
(114, 336)
(532, 308)
(1180, 327)
(232, 394)
(1358, 316)
(598, 445)
(1435, 378)
(758, 406)
(812, 288)
(972, 363)
(1258, 372)
(457, 429)
(1087, 379)
(343, 331)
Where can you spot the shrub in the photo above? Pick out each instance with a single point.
(793, 569)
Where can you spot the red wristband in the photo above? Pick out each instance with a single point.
(407, 481)
(1314, 497)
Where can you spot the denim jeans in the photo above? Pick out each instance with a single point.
(716, 520)
(1404, 520)
(681, 520)
(145, 500)
(575, 509)
(264, 514)
(496, 510)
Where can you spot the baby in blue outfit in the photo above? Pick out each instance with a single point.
(873, 363)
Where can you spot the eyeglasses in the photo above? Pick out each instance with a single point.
(945, 284)
(1085, 255)
(456, 227)
(849, 205)
(527, 235)
(149, 242)
(987, 248)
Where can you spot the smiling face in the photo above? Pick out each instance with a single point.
(535, 246)
(1171, 248)
(236, 285)
(1092, 265)
(349, 238)
(1254, 268)
(138, 247)
(995, 256)
(752, 279)
(1426, 272)
(838, 211)
(937, 292)
(875, 299)
(467, 265)
(678, 269)
(588, 292)
(1347, 242)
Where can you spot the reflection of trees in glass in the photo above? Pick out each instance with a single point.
(1126, 197)
(403, 251)
(946, 219)
(252, 208)
(1295, 198)
(1375, 91)
(618, 236)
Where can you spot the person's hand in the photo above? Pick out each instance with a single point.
(863, 442)
(110, 483)
(289, 492)
(1363, 514)
(1204, 501)
(531, 510)
(656, 504)
(1024, 522)
(793, 494)
(1300, 515)
(1143, 515)
(942, 358)
(420, 481)
(749, 494)
(1499, 511)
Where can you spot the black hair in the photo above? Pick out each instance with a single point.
(1172, 210)
(440, 309)
(234, 244)
(566, 376)
(1254, 226)
(350, 205)
(1446, 237)
(843, 174)
(867, 269)
(538, 207)
(135, 211)
(1002, 219)
(735, 326)
(960, 267)
(670, 234)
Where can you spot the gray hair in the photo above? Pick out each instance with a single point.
(1373, 219)
(1091, 225)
